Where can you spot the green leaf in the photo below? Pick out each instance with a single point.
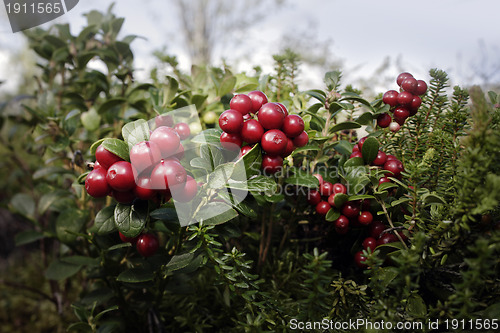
(361, 197)
(215, 213)
(135, 275)
(49, 171)
(355, 97)
(370, 149)
(354, 162)
(111, 103)
(23, 204)
(385, 186)
(135, 132)
(82, 260)
(220, 176)
(262, 184)
(226, 86)
(332, 214)
(105, 220)
(252, 162)
(303, 180)
(344, 126)
(48, 199)
(399, 201)
(91, 120)
(430, 199)
(26, 237)
(416, 306)
(117, 147)
(365, 119)
(318, 94)
(180, 261)
(165, 214)
(344, 147)
(305, 148)
(95, 145)
(211, 135)
(60, 270)
(339, 199)
(332, 79)
(131, 219)
(69, 223)
(140, 87)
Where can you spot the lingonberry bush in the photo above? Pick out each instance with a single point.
(295, 206)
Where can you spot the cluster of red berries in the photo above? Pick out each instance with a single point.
(147, 244)
(403, 104)
(154, 169)
(251, 119)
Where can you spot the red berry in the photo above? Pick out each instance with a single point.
(383, 180)
(359, 259)
(143, 189)
(258, 99)
(322, 208)
(120, 176)
(380, 159)
(391, 157)
(421, 87)
(326, 189)
(331, 200)
(370, 243)
(290, 147)
(147, 245)
(383, 120)
(387, 238)
(166, 174)
(319, 178)
(164, 120)
(252, 131)
(293, 125)
(356, 154)
(285, 111)
(376, 228)
(125, 239)
(401, 114)
(410, 85)
(350, 209)
(125, 197)
(390, 97)
(405, 98)
(231, 142)
(167, 140)
(96, 184)
(241, 103)
(185, 192)
(341, 225)
(361, 142)
(339, 188)
(183, 130)
(415, 104)
(365, 218)
(244, 150)
(355, 148)
(401, 77)
(231, 121)
(144, 154)
(274, 142)
(301, 140)
(272, 164)
(271, 116)
(105, 157)
(393, 166)
(314, 197)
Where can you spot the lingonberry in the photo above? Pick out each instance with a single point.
(401, 77)
(421, 87)
(410, 85)
(120, 176)
(376, 228)
(401, 114)
(231, 121)
(290, 147)
(167, 139)
(272, 164)
(293, 125)
(356, 154)
(361, 142)
(394, 127)
(231, 142)
(405, 98)
(143, 189)
(359, 259)
(322, 208)
(383, 180)
(252, 131)
(125, 239)
(339, 188)
(285, 110)
(274, 142)
(258, 99)
(390, 97)
(326, 189)
(394, 166)
(167, 173)
(96, 184)
(147, 244)
(124, 197)
(271, 116)
(319, 178)
(244, 150)
(301, 140)
(370, 243)
(387, 238)
(183, 130)
(415, 104)
(105, 157)
(185, 192)
(380, 159)
(365, 218)
(144, 154)
(355, 148)
(391, 157)
(314, 197)
(331, 200)
(384, 120)
(350, 209)
(241, 103)
(341, 224)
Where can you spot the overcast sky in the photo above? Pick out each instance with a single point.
(446, 34)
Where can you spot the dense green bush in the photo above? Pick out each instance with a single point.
(270, 261)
